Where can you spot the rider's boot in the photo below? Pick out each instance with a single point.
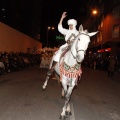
(51, 70)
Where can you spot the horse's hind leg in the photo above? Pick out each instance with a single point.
(47, 78)
(45, 83)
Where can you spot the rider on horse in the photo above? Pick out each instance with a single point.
(69, 34)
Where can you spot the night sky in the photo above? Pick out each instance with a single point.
(32, 17)
(51, 14)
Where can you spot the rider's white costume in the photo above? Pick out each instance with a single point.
(67, 33)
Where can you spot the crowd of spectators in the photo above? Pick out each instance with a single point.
(96, 63)
(102, 63)
(10, 62)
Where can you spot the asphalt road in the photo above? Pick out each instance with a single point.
(97, 97)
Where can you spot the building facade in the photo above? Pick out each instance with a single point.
(107, 42)
(12, 40)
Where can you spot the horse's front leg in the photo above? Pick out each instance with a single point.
(64, 92)
(64, 86)
(63, 114)
(68, 95)
(66, 109)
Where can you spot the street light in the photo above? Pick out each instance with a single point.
(48, 28)
(94, 22)
(94, 12)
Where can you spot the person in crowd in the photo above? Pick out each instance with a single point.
(111, 66)
(2, 67)
(43, 61)
(69, 34)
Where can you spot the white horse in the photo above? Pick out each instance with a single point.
(69, 67)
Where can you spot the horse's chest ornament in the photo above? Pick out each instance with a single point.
(70, 72)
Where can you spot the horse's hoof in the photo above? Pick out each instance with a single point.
(68, 113)
(63, 97)
(62, 117)
(43, 89)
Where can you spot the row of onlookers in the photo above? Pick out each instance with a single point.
(10, 62)
(96, 63)
(110, 64)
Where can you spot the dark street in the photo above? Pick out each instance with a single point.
(96, 97)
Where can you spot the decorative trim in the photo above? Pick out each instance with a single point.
(70, 72)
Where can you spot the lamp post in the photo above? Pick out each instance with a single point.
(94, 15)
(48, 28)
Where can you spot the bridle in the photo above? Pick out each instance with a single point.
(76, 44)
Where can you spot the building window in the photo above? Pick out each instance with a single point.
(116, 30)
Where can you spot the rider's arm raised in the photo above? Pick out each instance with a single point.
(60, 27)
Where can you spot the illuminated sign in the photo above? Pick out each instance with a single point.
(60, 38)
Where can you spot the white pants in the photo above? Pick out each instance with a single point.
(58, 53)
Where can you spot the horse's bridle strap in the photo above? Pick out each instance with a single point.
(79, 40)
(73, 55)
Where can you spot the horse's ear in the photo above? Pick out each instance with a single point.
(93, 33)
(80, 28)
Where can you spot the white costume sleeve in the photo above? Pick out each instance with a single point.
(62, 30)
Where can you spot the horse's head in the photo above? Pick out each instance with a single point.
(82, 43)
